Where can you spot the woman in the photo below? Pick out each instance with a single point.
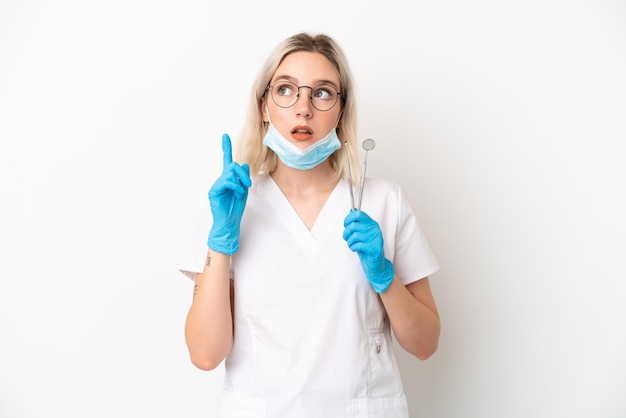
(295, 289)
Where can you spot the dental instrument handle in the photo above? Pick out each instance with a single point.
(349, 174)
(362, 181)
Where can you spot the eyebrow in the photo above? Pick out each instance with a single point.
(317, 83)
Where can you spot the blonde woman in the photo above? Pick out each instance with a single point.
(296, 289)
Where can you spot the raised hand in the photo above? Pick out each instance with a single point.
(227, 198)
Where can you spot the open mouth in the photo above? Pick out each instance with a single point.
(302, 133)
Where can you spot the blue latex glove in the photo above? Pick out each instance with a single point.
(365, 238)
(228, 197)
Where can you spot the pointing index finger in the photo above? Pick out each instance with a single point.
(227, 148)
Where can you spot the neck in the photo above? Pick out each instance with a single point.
(320, 177)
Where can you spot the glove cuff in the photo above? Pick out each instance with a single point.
(228, 249)
(384, 278)
(223, 243)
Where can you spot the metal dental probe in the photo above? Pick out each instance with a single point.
(349, 173)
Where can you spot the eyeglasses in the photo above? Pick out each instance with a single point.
(285, 94)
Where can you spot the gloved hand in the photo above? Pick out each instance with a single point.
(364, 237)
(228, 197)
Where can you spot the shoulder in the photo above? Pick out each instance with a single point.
(384, 200)
(381, 187)
(382, 183)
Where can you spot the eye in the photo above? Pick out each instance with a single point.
(284, 88)
(324, 92)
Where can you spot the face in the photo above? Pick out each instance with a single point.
(302, 123)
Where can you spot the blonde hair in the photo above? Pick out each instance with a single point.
(250, 148)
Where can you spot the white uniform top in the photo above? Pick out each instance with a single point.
(311, 336)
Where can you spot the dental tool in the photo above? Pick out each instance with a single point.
(368, 145)
(349, 173)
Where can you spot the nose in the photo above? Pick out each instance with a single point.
(303, 105)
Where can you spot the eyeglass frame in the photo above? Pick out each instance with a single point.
(270, 87)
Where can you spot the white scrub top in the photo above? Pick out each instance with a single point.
(311, 336)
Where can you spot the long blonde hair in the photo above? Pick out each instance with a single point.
(250, 148)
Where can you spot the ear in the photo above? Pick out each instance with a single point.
(264, 111)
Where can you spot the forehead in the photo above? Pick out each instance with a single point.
(307, 68)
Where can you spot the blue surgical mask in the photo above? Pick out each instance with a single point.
(298, 158)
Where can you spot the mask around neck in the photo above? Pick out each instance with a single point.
(298, 158)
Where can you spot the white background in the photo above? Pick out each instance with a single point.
(503, 121)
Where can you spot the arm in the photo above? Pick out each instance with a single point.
(413, 315)
(209, 324)
(411, 309)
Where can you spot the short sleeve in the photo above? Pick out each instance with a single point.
(413, 257)
(195, 256)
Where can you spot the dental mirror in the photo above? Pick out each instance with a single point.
(368, 145)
